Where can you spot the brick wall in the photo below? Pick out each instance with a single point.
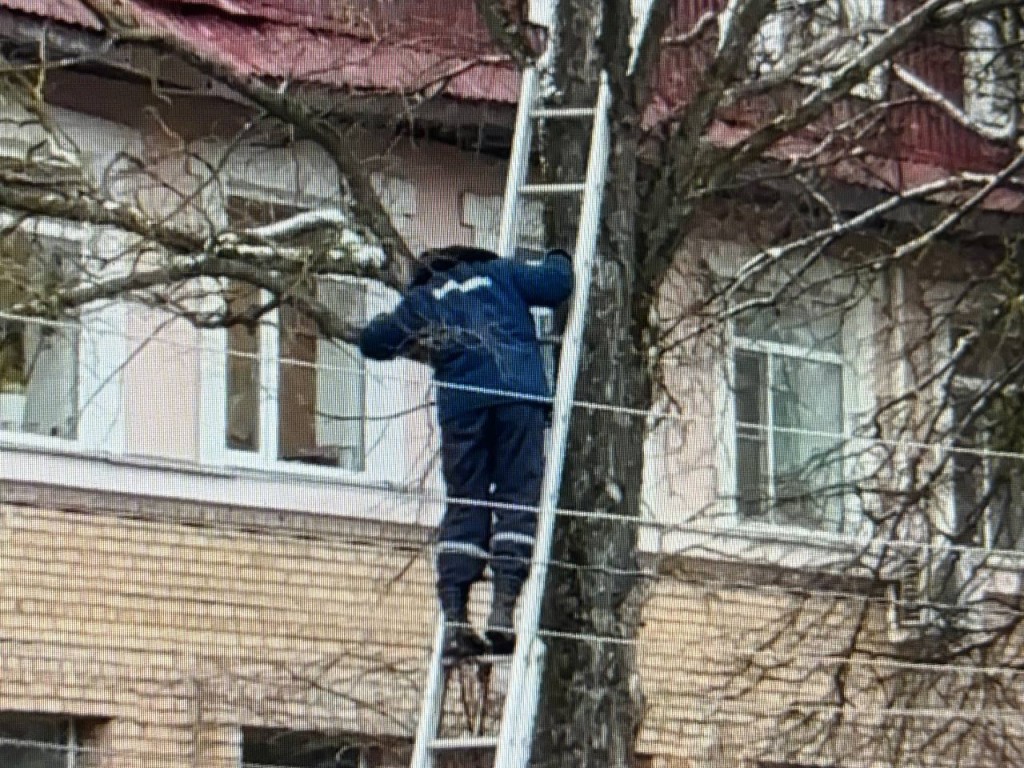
(170, 634)
(174, 635)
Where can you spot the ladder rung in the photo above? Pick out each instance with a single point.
(562, 112)
(465, 742)
(567, 188)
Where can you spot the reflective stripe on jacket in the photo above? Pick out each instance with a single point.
(474, 319)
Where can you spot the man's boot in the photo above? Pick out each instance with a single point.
(460, 640)
(500, 625)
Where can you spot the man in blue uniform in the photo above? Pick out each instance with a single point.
(469, 311)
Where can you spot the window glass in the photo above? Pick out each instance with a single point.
(812, 38)
(30, 741)
(796, 25)
(814, 327)
(753, 463)
(243, 372)
(987, 424)
(39, 359)
(789, 410)
(807, 411)
(299, 749)
(988, 486)
(322, 385)
(309, 397)
(992, 85)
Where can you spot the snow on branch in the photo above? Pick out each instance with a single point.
(301, 223)
(350, 245)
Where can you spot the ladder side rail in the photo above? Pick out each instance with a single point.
(514, 749)
(513, 722)
(518, 165)
(430, 711)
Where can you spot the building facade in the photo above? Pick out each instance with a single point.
(217, 541)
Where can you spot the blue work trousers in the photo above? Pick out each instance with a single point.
(494, 455)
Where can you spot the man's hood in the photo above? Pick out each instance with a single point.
(437, 260)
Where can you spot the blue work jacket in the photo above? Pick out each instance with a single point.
(474, 321)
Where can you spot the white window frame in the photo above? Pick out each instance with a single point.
(387, 383)
(972, 384)
(858, 399)
(771, 41)
(267, 453)
(772, 349)
(102, 352)
(713, 526)
(541, 12)
(967, 383)
(383, 442)
(996, 104)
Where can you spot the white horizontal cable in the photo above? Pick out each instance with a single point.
(724, 715)
(588, 638)
(899, 664)
(932, 713)
(843, 545)
(732, 712)
(753, 533)
(391, 646)
(793, 591)
(847, 545)
(859, 442)
(928, 713)
(796, 591)
(762, 588)
(50, 746)
(710, 706)
(401, 545)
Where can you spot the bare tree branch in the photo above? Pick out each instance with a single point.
(368, 214)
(932, 96)
(931, 14)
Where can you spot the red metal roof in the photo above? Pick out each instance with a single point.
(354, 16)
(391, 62)
(411, 45)
(64, 11)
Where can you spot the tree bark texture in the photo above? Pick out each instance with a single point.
(590, 706)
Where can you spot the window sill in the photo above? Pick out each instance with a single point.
(763, 546)
(15, 438)
(782, 555)
(278, 486)
(313, 468)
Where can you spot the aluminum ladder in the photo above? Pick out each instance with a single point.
(513, 739)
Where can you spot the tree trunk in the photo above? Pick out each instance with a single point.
(589, 703)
